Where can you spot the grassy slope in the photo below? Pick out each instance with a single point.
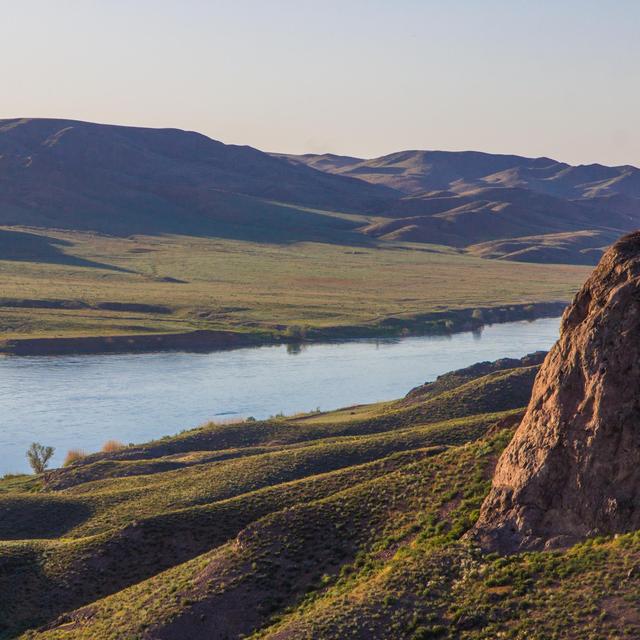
(68, 547)
(570, 248)
(205, 283)
(348, 524)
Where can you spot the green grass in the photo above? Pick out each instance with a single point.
(283, 556)
(433, 590)
(60, 574)
(126, 516)
(19, 483)
(211, 283)
(347, 524)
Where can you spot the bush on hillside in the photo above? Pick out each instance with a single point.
(112, 445)
(73, 455)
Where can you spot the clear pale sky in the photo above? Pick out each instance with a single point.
(361, 77)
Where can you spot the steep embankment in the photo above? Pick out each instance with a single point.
(436, 323)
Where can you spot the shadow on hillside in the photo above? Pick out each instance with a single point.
(215, 214)
(20, 246)
(28, 565)
(39, 517)
(266, 224)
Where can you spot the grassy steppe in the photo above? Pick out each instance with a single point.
(346, 524)
(58, 283)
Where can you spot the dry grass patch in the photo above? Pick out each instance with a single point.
(112, 445)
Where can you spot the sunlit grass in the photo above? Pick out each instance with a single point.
(219, 284)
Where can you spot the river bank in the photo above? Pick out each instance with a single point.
(205, 340)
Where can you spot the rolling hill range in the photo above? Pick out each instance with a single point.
(152, 525)
(62, 174)
(414, 172)
(349, 524)
(463, 198)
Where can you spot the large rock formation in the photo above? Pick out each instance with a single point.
(573, 467)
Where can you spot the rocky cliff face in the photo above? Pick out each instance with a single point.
(573, 467)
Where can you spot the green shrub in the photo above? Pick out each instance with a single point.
(39, 456)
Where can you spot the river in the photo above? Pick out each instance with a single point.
(82, 401)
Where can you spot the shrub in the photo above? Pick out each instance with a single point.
(296, 332)
(38, 456)
(112, 445)
(74, 455)
(424, 633)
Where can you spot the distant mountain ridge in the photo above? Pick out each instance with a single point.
(130, 180)
(414, 172)
(469, 197)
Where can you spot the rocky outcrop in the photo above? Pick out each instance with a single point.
(573, 467)
(454, 379)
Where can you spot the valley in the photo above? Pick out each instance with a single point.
(110, 231)
(355, 522)
(124, 231)
(319, 321)
(97, 285)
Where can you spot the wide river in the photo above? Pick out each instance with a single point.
(81, 401)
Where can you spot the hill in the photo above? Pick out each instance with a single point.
(465, 198)
(218, 500)
(333, 525)
(125, 180)
(63, 174)
(490, 214)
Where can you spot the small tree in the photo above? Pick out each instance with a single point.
(39, 456)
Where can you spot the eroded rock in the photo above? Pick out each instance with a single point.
(573, 467)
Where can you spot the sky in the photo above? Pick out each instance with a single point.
(557, 78)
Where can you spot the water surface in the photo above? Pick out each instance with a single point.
(82, 401)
